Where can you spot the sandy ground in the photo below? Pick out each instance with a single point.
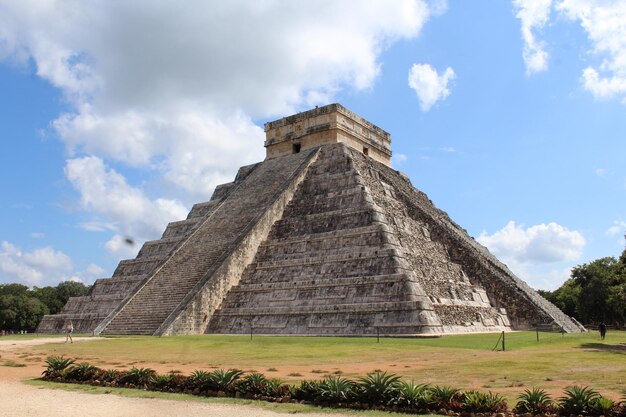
(20, 400)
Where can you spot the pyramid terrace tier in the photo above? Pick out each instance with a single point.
(207, 249)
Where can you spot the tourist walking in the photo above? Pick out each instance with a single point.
(602, 328)
(69, 330)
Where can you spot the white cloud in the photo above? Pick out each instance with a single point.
(429, 86)
(173, 90)
(448, 149)
(41, 266)
(604, 23)
(93, 270)
(534, 15)
(540, 254)
(618, 229)
(48, 258)
(542, 243)
(106, 193)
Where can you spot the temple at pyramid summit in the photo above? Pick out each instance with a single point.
(323, 237)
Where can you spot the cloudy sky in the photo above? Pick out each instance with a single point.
(115, 117)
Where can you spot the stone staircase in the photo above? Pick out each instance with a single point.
(164, 293)
(327, 267)
(88, 312)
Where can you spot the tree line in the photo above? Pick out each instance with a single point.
(22, 308)
(595, 293)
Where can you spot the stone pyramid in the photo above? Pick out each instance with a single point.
(321, 238)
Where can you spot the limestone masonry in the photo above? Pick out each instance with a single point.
(321, 238)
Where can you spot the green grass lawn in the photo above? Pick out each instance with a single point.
(465, 361)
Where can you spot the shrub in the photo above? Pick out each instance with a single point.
(335, 389)
(444, 396)
(535, 401)
(603, 406)
(481, 402)
(221, 380)
(578, 400)
(199, 381)
(411, 395)
(306, 391)
(56, 366)
(277, 389)
(82, 372)
(111, 376)
(138, 376)
(377, 387)
(252, 384)
(170, 382)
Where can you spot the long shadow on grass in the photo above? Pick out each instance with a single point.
(601, 347)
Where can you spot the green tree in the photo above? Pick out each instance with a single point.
(67, 289)
(50, 297)
(20, 312)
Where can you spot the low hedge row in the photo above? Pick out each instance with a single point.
(376, 390)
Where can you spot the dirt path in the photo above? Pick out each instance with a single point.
(20, 400)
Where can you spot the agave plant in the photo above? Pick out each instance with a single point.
(199, 380)
(306, 391)
(138, 376)
(535, 401)
(252, 384)
(221, 380)
(170, 382)
(56, 366)
(377, 387)
(412, 395)
(111, 376)
(603, 406)
(578, 400)
(82, 372)
(336, 389)
(483, 402)
(443, 395)
(276, 388)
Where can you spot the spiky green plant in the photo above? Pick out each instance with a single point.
(335, 389)
(221, 380)
(111, 376)
(252, 384)
(412, 395)
(483, 402)
(138, 376)
(578, 400)
(306, 391)
(170, 382)
(535, 401)
(603, 406)
(443, 395)
(377, 387)
(199, 380)
(56, 366)
(276, 388)
(81, 372)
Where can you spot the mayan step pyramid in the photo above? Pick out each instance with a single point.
(321, 238)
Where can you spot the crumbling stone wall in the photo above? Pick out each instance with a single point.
(525, 308)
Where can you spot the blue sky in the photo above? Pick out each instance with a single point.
(115, 118)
